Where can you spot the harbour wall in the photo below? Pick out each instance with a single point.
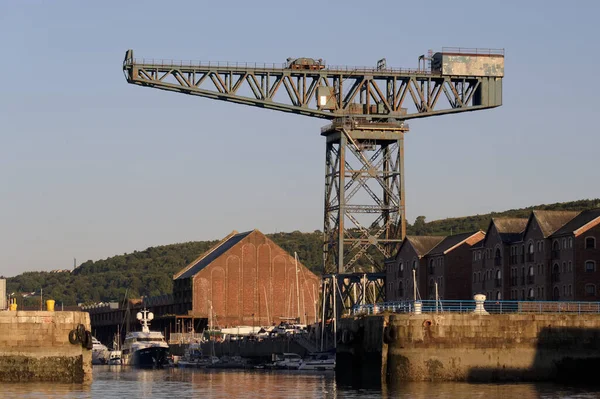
(34, 346)
(468, 347)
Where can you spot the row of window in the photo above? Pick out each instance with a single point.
(514, 294)
(589, 243)
(516, 250)
(567, 291)
(590, 266)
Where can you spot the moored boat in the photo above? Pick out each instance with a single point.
(288, 361)
(99, 352)
(145, 348)
(318, 361)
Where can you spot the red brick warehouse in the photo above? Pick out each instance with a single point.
(248, 280)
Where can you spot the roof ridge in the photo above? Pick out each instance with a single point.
(206, 253)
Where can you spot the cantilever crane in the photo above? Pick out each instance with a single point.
(364, 182)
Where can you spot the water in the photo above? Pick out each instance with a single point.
(117, 382)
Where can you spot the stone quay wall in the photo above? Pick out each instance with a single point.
(34, 346)
(469, 347)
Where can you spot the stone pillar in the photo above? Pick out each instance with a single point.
(418, 307)
(479, 300)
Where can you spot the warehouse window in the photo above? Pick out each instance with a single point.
(590, 290)
(590, 266)
(590, 242)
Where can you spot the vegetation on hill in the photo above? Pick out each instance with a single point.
(150, 272)
(480, 222)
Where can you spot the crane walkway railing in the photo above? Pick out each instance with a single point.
(162, 63)
(468, 306)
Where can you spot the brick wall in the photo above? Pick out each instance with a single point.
(581, 255)
(457, 273)
(406, 256)
(34, 346)
(254, 283)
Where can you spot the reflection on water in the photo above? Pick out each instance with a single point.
(114, 382)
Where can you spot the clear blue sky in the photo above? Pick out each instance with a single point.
(91, 166)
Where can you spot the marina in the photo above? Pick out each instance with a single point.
(110, 382)
(299, 207)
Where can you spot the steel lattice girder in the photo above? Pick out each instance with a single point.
(363, 158)
(351, 289)
(368, 93)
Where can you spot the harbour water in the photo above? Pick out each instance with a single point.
(117, 381)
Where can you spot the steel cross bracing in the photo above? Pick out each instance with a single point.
(341, 292)
(364, 195)
(359, 92)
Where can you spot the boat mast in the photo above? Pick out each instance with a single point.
(297, 285)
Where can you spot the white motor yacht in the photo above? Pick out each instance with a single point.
(290, 361)
(145, 348)
(99, 352)
(318, 361)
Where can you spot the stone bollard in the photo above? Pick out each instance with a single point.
(418, 307)
(479, 300)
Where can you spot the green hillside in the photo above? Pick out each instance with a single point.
(480, 222)
(150, 272)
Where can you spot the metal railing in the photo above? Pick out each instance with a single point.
(478, 51)
(160, 62)
(468, 306)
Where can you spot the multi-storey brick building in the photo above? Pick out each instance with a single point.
(529, 274)
(490, 259)
(399, 275)
(552, 255)
(449, 265)
(574, 259)
(442, 260)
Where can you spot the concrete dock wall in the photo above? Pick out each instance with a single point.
(34, 346)
(468, 347)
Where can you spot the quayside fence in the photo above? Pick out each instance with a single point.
(468, 306)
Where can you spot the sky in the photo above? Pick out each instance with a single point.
(91, 166)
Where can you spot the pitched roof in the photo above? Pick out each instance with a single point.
(551, 221)
(510, 229)
(212, 254)
(424, 244)
(478, 245)
(450, 242)
(578, 222)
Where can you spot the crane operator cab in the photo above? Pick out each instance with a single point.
(305, 63)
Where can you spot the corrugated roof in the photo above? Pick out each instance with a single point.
(510, 229)
(424, 244)
(449, 242)
(578, 222)
(204, 261)
(551, 221)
